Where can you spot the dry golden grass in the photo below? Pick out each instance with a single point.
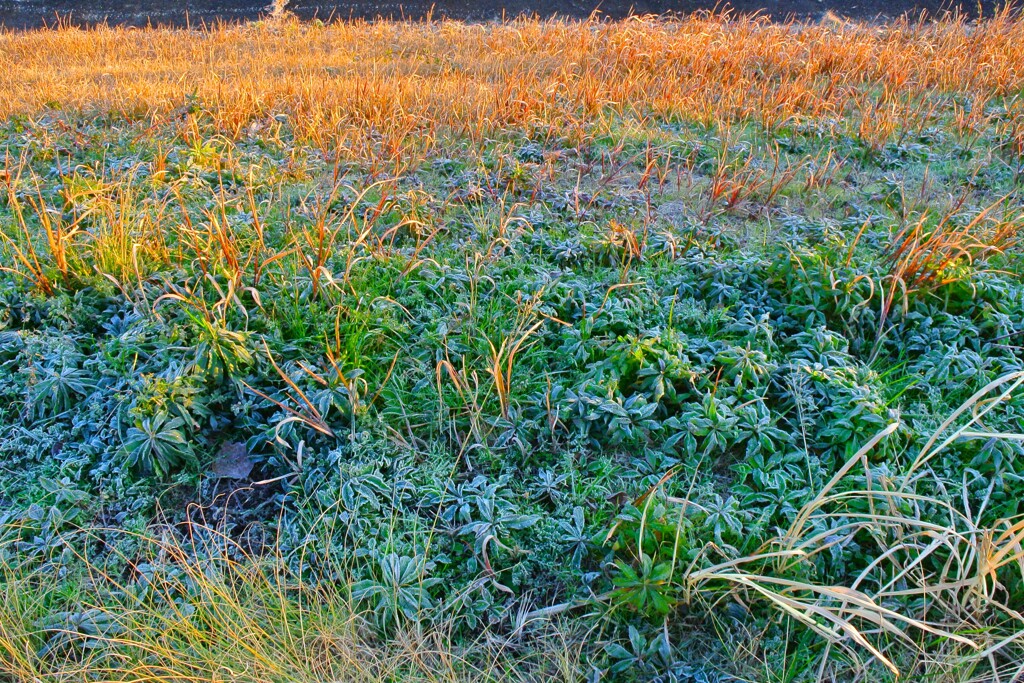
(221, 619)
(339, 81)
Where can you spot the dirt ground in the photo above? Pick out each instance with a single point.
(29, 13)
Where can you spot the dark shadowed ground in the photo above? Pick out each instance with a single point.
(28, 13)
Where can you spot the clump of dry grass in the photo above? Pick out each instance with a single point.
(200, 608)
(926, 254)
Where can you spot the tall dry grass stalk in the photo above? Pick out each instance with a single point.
(278, 9)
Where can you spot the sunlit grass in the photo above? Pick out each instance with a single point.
(342, 83)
